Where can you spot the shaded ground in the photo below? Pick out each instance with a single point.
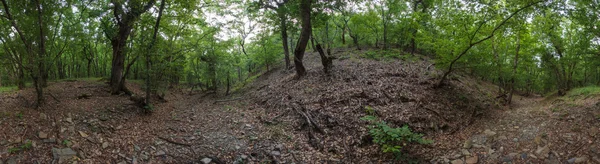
(267, 120)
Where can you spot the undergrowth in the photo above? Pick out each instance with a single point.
(584, 91)
(391, 139)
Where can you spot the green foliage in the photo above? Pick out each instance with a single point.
(8, 89)
(391, 139)
(584, 91)
(19, 115)
(25, 146)
(66, 142)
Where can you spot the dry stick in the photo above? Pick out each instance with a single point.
(173, 142)
(52, 95)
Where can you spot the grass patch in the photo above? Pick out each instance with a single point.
(585, 91)
(8, 89)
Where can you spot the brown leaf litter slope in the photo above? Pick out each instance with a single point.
(399, 91)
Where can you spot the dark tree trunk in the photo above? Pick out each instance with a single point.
(228, 84)
(284, 35)
(325, 60)
(126, 20)
(305, 9)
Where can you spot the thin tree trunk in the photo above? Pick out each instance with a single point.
(305, 9)
(148, 57)
(514, 73)
(284, 35)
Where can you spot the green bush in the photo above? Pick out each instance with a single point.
(391, 139)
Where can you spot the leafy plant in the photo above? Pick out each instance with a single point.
(19, 115)
(25, 146)
(391, 139)
(66, 142)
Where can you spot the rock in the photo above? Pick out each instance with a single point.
(134, 160)
(63, 154)
(468, 144)
(572, 160)
(458, 161)
(144, 157)
(244, 156)
(543, 152)
(512, 155)
(279, 147)
(50, 140)
(136, 148)
(83, 134)
(206, 160)
(69, 120)
(581, 159)
(489, 133)
(465, 152)
(472, 160)
(42, 135)
(11, 161)
(43, 116)
(275, 153)
(160, 153)
(515, 140)
(104, 145)
(502, 138)
(516, 127)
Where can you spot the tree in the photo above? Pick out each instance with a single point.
(125, 15)
(305, 33)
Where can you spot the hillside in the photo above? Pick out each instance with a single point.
(269, 120)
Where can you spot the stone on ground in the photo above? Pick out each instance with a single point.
(206, 160)
(63, 154)
(472, 160)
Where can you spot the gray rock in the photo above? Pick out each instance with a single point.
(11, 161)
(244, 156)
(137, 148)
(43, 116)
(465, 152)
(572, 160)
(279, 147)
(69, 120)
(515, 140)
(50, 140)
(543, 151)
(206, 160)
(63, 154)
(104, 145)
(275, 153)
(159, 153)
(489, 133)
(581, 159)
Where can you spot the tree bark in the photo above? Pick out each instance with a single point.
(125, 22)
(284, 35)
(305, 9)
(514, 73)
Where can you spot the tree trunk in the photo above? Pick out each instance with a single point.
(284, 36)
(228, 84)
(305, 9)
(148, 57)
(514, 73)
(325, 60)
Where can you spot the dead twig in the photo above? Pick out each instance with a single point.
(173, 142)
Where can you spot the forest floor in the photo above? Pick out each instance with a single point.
(316, 119)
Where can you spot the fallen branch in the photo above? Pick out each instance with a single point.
(174, 142)
(309, 120)
(54, 97)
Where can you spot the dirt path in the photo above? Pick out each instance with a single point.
(534, 130)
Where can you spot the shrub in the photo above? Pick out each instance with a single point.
(391, 139)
